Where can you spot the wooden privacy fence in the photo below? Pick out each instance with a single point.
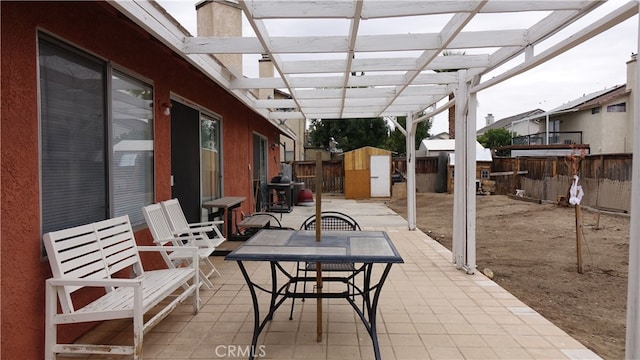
(605, 179)
(332, 175)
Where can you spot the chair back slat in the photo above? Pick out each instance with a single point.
(332, 220)
(158, 224)
(175, 215)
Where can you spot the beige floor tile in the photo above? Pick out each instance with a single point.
(411, 352)
(444, 353)
(427, 310)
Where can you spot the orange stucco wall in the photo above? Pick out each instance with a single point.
(98, 28)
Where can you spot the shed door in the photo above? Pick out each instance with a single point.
(380, 167)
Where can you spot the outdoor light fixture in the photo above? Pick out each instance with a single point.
(166, 108)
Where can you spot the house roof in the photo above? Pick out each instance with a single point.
(449, 145)
(438, 144)
(594, 99)
(397, 73)
(504, 123)
(369, 148)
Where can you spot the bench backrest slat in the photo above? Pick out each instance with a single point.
(118, 244)
(74, 253)
(91, 251)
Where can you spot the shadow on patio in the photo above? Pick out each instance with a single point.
(427, 310)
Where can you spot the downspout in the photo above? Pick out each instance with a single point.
(547, 129)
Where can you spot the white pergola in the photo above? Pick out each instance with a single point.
(344, 60)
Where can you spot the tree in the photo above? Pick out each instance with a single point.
(495, 138)
(348, 133)
(397, 142)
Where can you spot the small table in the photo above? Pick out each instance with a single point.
(226, 204)
(283, 195)
(362, 247)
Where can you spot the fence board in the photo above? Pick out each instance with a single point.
(332, 175)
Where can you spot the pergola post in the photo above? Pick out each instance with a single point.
(411, 171)
(470, 131)
(632, 345)
(464, 179)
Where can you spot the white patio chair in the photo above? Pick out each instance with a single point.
(180, 226)
(163, 235)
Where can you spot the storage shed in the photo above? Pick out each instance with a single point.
(367, 173)
(483, 170)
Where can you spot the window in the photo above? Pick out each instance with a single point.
(210, 157)
(484, 174)
(595, 110)
(132, 146)
(621, 107)
(94, 163)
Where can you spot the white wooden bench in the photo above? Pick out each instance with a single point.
(89, 256)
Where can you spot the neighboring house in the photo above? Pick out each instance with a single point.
(99, 118)
(525, 123)
(440, 136)
(600, 122)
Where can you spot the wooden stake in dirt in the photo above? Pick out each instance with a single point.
(318, 237)
(575, 192)
(579, 238)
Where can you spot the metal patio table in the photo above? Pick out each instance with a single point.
(365, 248)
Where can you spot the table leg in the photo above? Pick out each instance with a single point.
(259, 324)
(368, 313)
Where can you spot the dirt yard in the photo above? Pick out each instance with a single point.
(531, 250)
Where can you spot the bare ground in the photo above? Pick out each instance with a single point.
(531, 250)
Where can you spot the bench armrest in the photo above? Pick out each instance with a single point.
(194, 229)
(113, 282)
(192, 249)
(177, 238)
(207, 223)
(164, 248)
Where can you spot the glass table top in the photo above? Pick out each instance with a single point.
(334, 246)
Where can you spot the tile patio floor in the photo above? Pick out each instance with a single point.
(428, 310)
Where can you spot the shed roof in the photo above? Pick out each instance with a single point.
(449, 145)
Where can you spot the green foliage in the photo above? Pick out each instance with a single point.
(397, 142)
(350, 134)
(495, 138)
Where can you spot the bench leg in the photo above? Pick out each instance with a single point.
(138, 324)
(51, 333)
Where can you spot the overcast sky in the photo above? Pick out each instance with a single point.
(596, 64)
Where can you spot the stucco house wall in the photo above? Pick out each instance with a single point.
(97, 28)
(605, 132)
(526, 127)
